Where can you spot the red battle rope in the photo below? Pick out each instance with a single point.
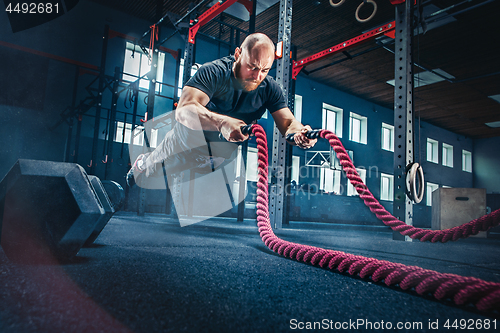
(463, 231)
(462, 290)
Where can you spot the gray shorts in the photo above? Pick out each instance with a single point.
(185, 149)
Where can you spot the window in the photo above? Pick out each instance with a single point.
(387, 137)
(351, 191)
(252, 171)
(137, 64)
(430, 188)
(329, 179)
(298, 108)
(447, 155)
(357, 128)
(386, 187)
(194, 68)
(124, 134)
(295, 169)
(332, 119)
(432, 150)
(466, 161)
(335, 162)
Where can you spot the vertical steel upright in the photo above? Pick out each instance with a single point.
(112, 121)
(150, 112)
(71, 122)
(289, 151)
(102, 79)
(77, 138)
(189, 50)
(403, 114)
(278, 209)
(244, 146)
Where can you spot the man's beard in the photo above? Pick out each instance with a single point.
(247, 85)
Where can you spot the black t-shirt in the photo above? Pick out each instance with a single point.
(216, 79)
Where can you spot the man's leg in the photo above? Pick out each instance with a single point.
(181, 149)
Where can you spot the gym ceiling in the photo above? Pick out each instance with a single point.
(461, 43)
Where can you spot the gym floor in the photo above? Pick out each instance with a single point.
(147, 274)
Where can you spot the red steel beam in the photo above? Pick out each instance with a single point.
(385, 29)
(212, 12)
(49, 55)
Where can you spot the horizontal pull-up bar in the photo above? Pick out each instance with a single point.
(385, 29)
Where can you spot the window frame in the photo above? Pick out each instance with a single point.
(434, 158)
(447, 158)
(130, 138)
(251, 170)
(298, 108)
(351, 191)
(295, 172)
(428, 193)
(390, 128)
(390, 195)
(180, 84)
(363, 128)
(128, 76)
(467, 167)
(339, 119)
(334, 175)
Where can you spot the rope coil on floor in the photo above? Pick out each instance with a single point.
(462, 290)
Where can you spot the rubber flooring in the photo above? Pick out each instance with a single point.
(147, 274)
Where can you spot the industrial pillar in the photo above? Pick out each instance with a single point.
(289, 150)
(403, 114)
(244, 146)
(102, 79)
(112, 120)
(71, 122)
(189, 50)
(150, 112)
(277, 207)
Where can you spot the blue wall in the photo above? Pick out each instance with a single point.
(48, 87)
(370, 156)
(486, 164)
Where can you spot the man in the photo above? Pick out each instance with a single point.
(219, 99)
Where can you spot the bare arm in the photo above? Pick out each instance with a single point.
(192, 113)
(287, 124)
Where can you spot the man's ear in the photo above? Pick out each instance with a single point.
(237, 53)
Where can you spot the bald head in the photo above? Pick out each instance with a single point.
(253, 60)
(257, 41)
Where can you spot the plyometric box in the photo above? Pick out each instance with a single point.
(452, 207)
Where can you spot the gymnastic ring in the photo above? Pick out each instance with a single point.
(369, 17)
(414, 194)
(333, 4)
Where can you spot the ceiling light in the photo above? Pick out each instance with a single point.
(239, 11)
(425, 78)
(494, 124)
(495, 97)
